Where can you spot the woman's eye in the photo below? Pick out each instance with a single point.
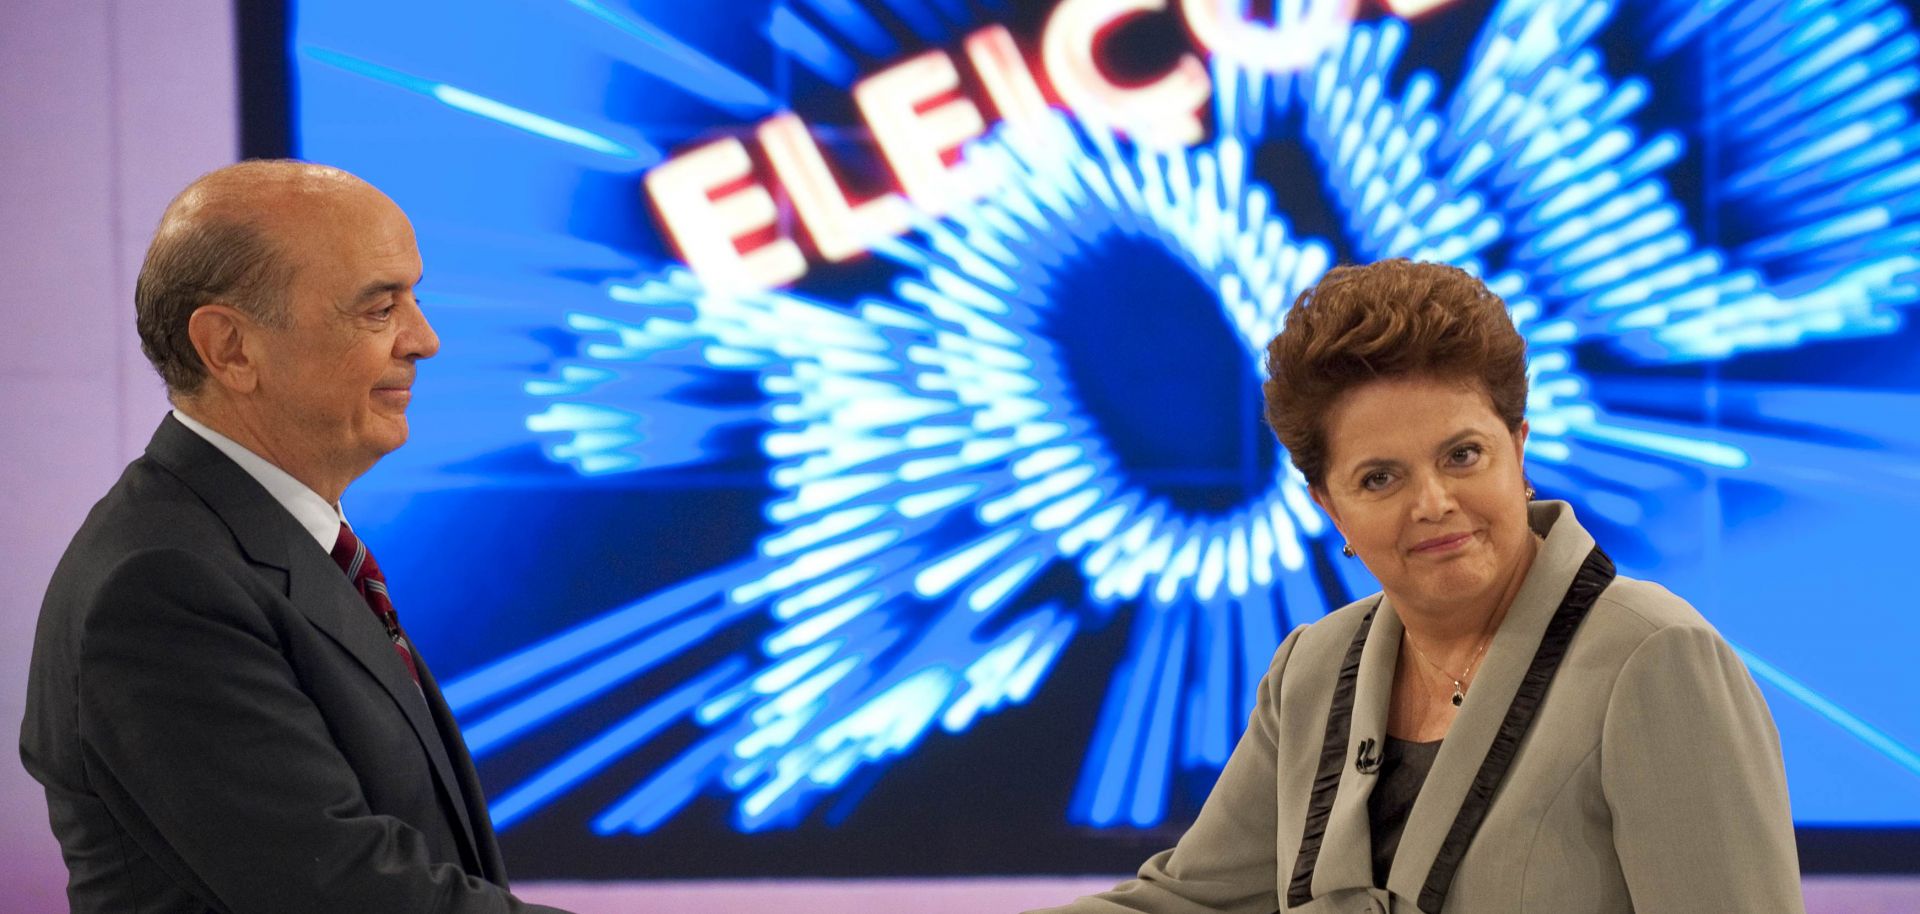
(1465, 456)
(1374, 482)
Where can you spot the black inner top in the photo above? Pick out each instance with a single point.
(1403, 768)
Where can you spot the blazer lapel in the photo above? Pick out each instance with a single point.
(474, 817)
(1346, 860)
(327, 598)
(259, 523)
(1462, 784)
(268, 535)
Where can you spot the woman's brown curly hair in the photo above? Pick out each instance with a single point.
(1395, 318)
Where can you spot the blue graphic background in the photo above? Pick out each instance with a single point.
(965, 556)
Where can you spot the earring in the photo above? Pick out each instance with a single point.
(1347, 550)
(1529, 493)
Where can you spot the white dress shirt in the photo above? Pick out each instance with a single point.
(321, 520)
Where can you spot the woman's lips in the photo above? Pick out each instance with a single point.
(1441, 544)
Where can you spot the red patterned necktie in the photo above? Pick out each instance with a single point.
(354, 559)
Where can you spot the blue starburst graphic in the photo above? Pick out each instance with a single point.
(932, 459)
(932, 451)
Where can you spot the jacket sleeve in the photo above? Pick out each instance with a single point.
(1690, 764)
(1224, 864)
(196, 734)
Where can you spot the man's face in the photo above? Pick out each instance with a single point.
(336, 381)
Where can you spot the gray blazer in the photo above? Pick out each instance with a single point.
(221, 725)
(1641, 769)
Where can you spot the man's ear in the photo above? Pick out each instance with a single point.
(222, 336)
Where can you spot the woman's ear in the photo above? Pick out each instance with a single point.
(1325, 501)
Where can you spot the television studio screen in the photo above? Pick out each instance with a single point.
(846, 456)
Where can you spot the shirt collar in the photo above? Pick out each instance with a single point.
(321, 520)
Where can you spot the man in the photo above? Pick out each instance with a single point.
(222, 706)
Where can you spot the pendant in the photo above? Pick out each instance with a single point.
(1458, 696)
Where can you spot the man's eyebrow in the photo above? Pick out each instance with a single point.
(376, 289)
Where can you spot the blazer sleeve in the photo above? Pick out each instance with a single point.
(1690, 764)
(198, 737)
(1224, 864)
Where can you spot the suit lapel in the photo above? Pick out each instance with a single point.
(1347, 857)
(1329, 780)
(1465, 775)
(259, 523)
(474, 809)
(1337, 851)
(329, 601)
(268, 535)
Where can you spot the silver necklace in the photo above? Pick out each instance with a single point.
(1459, 690)
(1486, 636)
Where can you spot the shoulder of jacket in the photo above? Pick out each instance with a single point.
(1648, 606)
(150, 507)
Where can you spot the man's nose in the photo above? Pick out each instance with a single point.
(419, 341)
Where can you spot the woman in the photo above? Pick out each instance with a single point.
(1509, 725)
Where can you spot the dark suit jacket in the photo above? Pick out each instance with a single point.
(222, 725)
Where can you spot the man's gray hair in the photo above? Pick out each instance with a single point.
(209, 247)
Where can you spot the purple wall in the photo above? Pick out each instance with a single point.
(108, 109)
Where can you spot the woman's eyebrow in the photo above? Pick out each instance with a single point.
(1458, 438)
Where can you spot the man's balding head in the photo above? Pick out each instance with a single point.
(277, 301)
(225, 239)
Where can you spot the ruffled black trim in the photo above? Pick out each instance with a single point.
(1595, 574)
(1592, 578)
(1333, 757)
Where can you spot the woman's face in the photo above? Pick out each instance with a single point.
(1425, 482)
